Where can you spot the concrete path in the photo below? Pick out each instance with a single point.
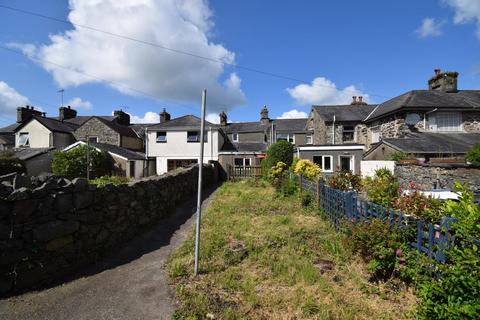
(132, 283)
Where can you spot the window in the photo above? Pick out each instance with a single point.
(173, 164)
(345, 163)
(161, 136)
(235, 137)
(448, 121)
(348, 134)
(238, 162)
(309, 139)
(194, 136)
(286, 136)
(23, 139)
(324, 162)
(375, 135)
(132, 169)
(247, 161)
(93, 139)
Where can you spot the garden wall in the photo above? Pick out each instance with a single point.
(425, 176)
(52, 230)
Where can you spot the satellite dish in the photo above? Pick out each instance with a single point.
(412, 118)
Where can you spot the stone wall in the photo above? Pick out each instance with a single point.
(52, 227)
(96, 128)
(471, 122)
(425, 177)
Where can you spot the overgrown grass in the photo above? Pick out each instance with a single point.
(264, 257)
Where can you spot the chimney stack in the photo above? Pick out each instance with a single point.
(27, 112)
(358, 101)
(65, 113)
(264, 119)
(123, 118)
(443, 81)
(164, 116)
(354, 100)
(223, 118)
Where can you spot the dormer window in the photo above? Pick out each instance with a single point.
(23, 139)
(235, 137)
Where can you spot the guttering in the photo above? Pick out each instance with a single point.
(332, 147)
(241, 152)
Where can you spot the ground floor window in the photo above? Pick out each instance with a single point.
(346, 163)
(173, 164)
(240, 162)
(324, 162)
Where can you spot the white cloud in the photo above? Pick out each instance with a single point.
(10, 99)
(78, 103)
(179, 24)
(213, 118)
(430, 28)
(293, 114)
(466, 11)
(148, 117)
(324, 91)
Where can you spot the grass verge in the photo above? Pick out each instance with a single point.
(265, 257)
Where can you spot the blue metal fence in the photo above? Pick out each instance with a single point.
(431, 239)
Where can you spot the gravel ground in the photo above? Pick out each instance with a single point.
(131, 283)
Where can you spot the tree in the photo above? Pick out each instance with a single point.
(73, 163)
(9, 164)
(282, 151)
(473, 155)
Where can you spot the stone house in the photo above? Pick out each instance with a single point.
(439, 122)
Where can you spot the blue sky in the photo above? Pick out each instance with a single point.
(375, 48)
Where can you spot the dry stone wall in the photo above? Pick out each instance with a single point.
(49, 228)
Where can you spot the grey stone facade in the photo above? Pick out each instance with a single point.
(51, 230)
(426, 177)
(96, 128)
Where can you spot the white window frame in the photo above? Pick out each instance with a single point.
(323, 162)
(309, 137)
(235, 137)
(157, 136)
(375, 133)
(289, 136)
(27, 140)
(352, 161)
(205, 137)
(244, 162)
(349, 131)
(450, 116)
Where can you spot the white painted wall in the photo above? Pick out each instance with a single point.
(368, 167)
(177, 147)
(40, 136)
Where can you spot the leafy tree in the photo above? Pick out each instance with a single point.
(473, 155)
(282, 151)
(73, 163)
(9, 164)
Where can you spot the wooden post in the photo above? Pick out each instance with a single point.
(300, 179)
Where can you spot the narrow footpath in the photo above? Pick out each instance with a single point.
(131, 283)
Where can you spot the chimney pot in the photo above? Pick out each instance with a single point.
(437, 71)
(360, 98)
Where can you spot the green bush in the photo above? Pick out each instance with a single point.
(115, 180)
(421, 206)
(10, 164)
(306, 198)
(73, 163)
(397, 156)
(473, 155)
(282, 151)
(285, 184)
(382, 188)
(308, 169)
(345, 181)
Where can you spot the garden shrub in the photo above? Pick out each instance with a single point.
(306, 198)
(382, 188)
(308, 169)
(345, 181)
(282, 151)
(73, 163)
(285, 184)
(455, 293)
(10, 164)
(104, 180)
(397, 156)
(417, 204)
(473, 156)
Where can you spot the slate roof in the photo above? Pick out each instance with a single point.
(28, 153)
(51, 124)
(10, 128)
(290, 125)
(79, 120)
(434, 143)
(182, 123)
(345, 113)
(428, 100)
(244, 147)
(122, 152)
(239, 127)
(8, 138)
(140, 128)
(119, 128)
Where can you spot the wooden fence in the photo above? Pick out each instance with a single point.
(242, 172)
(431, 239)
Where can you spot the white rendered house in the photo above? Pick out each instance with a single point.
(176, 143)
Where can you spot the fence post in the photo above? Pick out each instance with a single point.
(349, 205)
(318, 193)
(300, 178)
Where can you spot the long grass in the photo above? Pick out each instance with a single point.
(265, 257)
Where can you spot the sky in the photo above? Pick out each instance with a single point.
(145, 55)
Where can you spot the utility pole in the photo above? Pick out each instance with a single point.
(199, 195)
(88, 158)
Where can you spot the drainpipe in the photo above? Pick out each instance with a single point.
(333, 129)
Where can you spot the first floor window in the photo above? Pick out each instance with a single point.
(286, 136)
(324, 162)
(348, 134)
(161, 136)
(194, 136)
(448, 121)
(23, 139)
(375, 135)
(309, 139)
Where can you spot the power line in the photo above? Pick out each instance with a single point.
(157, 45)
